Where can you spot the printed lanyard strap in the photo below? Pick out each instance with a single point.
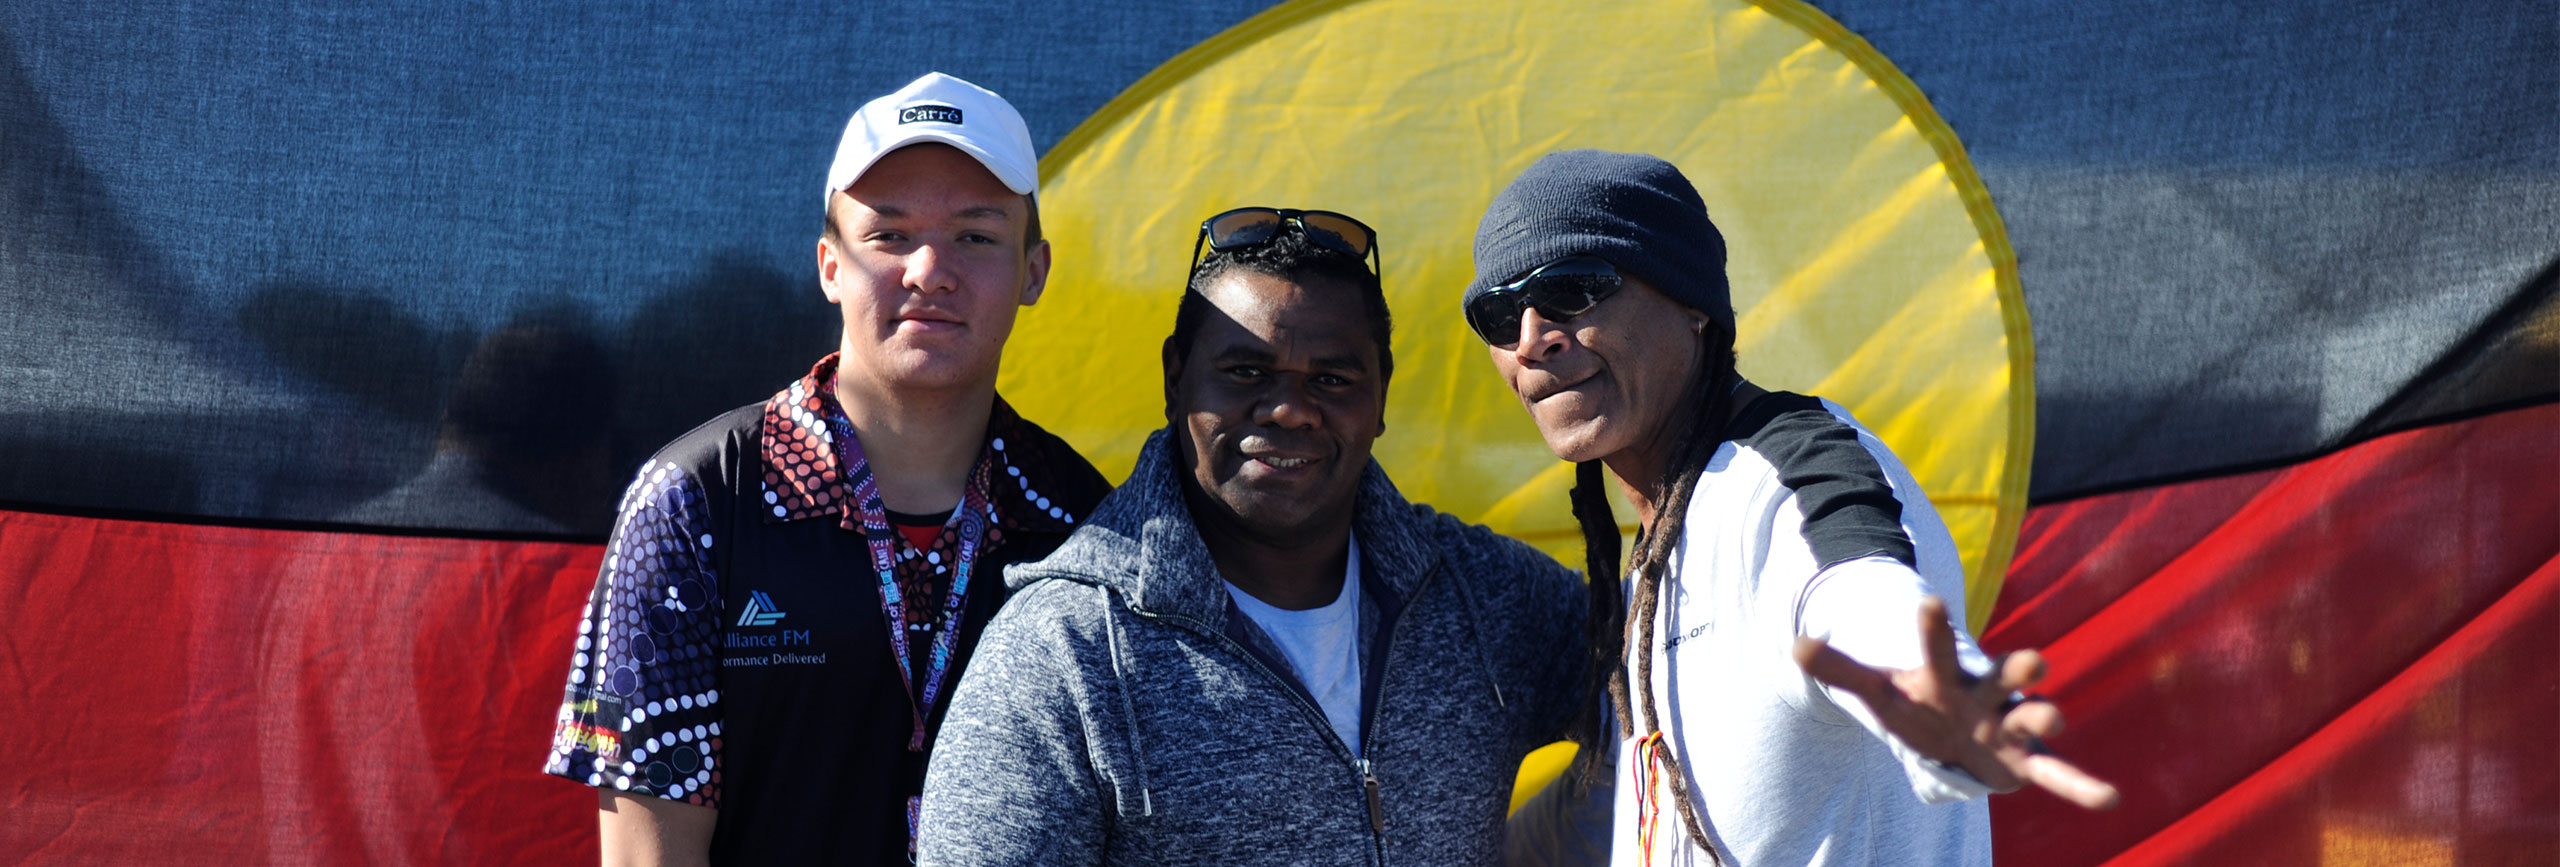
(893, 604)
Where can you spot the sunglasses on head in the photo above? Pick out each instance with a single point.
(1558, 290)
(1247, 227)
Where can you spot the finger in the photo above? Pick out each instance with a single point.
(1827, 664)
(1939, 638)
(1988, 691)
(2069, 783)
(2035, 718)
(2021, 669)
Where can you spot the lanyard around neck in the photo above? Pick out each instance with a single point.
(881, 539)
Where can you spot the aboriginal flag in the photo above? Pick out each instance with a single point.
(2227, 338)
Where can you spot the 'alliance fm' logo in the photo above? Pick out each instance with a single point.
(760, 611)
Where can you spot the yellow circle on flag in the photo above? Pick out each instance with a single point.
(1867, 264)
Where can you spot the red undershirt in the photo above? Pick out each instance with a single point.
(920, 530)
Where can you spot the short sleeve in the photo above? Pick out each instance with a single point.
(642, 710)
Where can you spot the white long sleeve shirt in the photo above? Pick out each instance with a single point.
(1803, 524)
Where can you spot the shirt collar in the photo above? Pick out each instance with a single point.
(803, 477)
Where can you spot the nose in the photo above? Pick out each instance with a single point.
(1288, 405)
(927, 272)
(1539, 338)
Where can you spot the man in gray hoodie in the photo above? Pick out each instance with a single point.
(1256, 651)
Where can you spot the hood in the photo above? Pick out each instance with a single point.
(1142, 542)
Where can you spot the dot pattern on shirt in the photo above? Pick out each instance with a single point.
(641, 713)
(642, 710)
(1038, 503)
(801, 479)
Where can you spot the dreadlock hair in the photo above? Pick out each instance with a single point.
(1707, 404)
(1604, 673)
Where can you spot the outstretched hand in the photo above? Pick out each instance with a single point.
(1959, 719)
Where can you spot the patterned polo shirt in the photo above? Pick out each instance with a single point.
(735, 651)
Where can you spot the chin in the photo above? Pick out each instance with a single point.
(1265, 513)
(936, 372)
(1262, 511)
(1575, 440)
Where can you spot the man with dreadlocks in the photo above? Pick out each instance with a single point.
(1770, 521)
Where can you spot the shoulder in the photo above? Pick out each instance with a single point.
(1497, 568)
(696, 456)
(694, 463)
(1052, 611)
(707, 446)
(1054, 600)
(1049, 638)
(1840, 478)
(1800, 435)
(1476, 544)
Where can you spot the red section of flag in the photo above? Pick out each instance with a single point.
(195, 694)
(2347, 661)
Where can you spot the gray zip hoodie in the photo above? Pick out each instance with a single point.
(1120, 710)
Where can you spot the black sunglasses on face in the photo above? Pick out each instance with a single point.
(1559, 290)
(1246, 227)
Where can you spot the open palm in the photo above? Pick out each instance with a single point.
(1962, 720)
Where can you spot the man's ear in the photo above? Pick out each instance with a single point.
(828, 260)
(1383, 383)
(1038, 260)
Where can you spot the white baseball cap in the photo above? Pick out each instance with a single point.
(939, 108)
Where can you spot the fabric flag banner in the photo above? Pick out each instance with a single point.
(2227, 338)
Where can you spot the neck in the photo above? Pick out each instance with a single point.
(1295, 570)
(920, 446)
(1639, 469)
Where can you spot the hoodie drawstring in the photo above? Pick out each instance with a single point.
(1476, 631)
(1120, 678)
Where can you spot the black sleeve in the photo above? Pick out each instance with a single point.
(1849, 508)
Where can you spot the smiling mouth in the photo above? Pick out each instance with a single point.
(1555, 387)
(1276, 460)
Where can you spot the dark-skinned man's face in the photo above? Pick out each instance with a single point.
(1277, 403)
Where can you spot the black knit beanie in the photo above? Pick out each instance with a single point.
(1634, 210)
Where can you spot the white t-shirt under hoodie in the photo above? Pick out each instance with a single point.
(1322, 645)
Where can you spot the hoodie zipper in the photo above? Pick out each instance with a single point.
(1359, 762)
(1369, 782)
(1385, 650)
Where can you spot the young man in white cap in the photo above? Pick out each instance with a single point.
(792, 589)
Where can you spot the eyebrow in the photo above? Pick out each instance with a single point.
(1260, 356)
(1343, 362)
(1243, 353)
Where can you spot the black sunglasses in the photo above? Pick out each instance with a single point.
(1560, 290)
(1246, 227)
